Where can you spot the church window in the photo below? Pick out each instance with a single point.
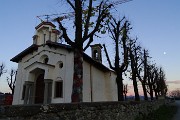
(49, 35)
(46, 60)
(61, 64)
(23, 92)
(35, 37)
(58, 89)
(35, 41)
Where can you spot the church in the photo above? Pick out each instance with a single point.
(45, 71)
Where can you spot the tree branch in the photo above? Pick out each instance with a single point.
(88, 44)
(100, 18)
(65, 36)
(110, 30)
(86, 29)
(107, 56)
(2, 67)
(73, 7)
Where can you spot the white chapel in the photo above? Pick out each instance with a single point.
(45, 72)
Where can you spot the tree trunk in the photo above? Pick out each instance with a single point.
(151, 92)
(125, 97)
(144, 91)
(135, 88)
(155, 92)
(13, 91)
(119, 81)
(77, 95)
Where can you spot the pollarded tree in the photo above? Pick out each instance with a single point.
(152, 77)
(89, 17)
(157, 83)
(12, 80)
(135, 63)
(142, 72)
(160, 88)
(2, 69)
(119, 31)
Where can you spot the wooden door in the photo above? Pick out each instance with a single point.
(39, 91)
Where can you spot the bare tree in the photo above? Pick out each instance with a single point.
(12, 80)
(152, 77)
(160, 87)
(162, 82)
(142, 72)
(2, 69)
(85, 30)
(119, 31)
(82, 35)
(135, 60)
(125, 91)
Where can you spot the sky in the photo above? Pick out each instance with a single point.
(154, 22)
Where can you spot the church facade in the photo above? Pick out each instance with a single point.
(45, 72)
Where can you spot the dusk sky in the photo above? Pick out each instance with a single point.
(156, 23)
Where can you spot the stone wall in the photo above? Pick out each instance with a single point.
(80, 111)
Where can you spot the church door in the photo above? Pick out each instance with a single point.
(39, 92)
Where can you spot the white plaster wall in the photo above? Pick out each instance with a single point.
(86, 82)
(103, 84)
(98, 85)
(111, 86)
(55, 55)
(19, 77)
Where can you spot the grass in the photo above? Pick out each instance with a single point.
(165, 112)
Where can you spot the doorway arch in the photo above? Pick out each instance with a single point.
(39, 89)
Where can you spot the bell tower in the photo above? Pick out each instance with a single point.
(45, 31)
(96, 52)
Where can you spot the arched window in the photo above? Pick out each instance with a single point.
(58, 91)
(44, 59)
(96, 54)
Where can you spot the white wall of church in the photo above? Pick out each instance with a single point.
(52, 71)
(86, 82)
(19, 81)
(102, 85)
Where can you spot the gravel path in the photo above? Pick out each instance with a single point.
(177, 115)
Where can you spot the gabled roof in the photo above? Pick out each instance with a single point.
(24, 53)
(34, 47)
(45, 23)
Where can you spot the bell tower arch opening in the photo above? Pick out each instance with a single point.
(96, 52)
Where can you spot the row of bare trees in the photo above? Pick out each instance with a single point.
(136, 61)
(93, 17)
(11, 78)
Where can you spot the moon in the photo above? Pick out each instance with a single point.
(164, 53)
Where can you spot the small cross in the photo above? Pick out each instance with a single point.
(47, 17)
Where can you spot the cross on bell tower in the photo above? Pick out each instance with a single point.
(47, 18)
